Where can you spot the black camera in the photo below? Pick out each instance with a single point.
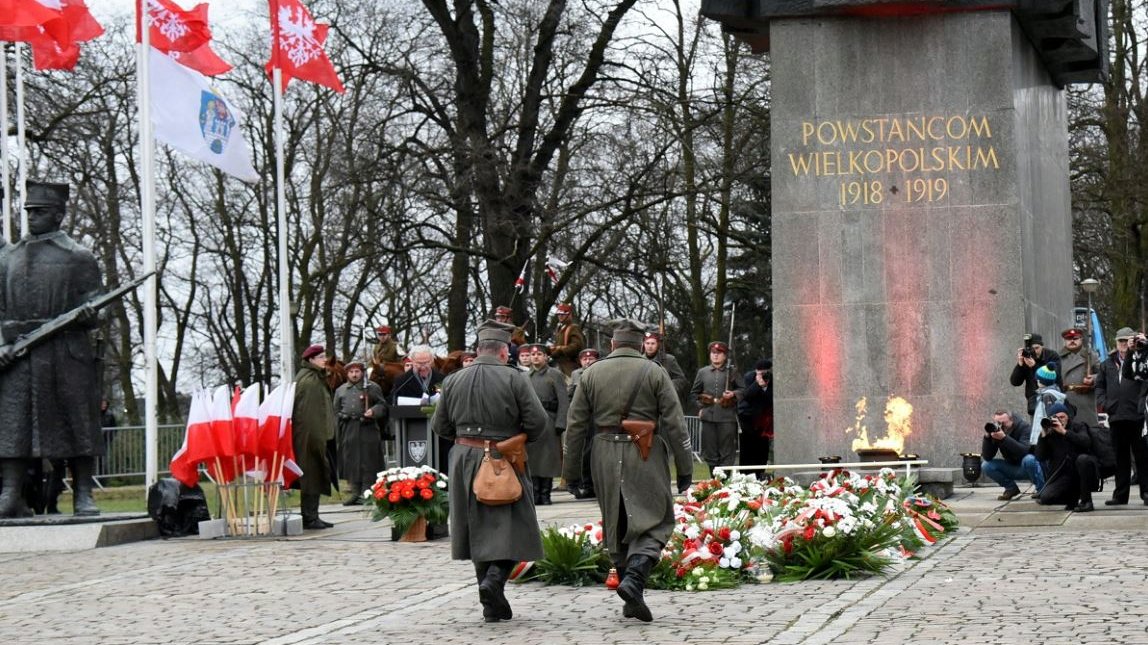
(992, 427)
(1027, 353)
(1048, 422)
(1141, 344)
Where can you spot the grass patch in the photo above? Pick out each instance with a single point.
(133, 499)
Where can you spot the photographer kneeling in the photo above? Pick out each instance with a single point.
(1009, 435)
(1077, 459)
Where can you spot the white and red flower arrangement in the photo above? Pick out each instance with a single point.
(405, 494)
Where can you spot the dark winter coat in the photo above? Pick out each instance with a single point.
(312, 426)
(410, 385)
(1015, 445)
(49, 398)
(545, 455)
(361, 453)
(619, 472)
(1116, 395)
(489, 400)
(1026, 376)
(1058, 452)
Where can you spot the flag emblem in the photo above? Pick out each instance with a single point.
(215, 121)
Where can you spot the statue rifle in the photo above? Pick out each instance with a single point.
(54, 326)
(729, 356)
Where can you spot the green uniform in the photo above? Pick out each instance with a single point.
(361, 453)
(312, 426)
(489, 400)
(633, 495)
(545, 455)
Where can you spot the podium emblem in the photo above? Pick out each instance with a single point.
(417, 450)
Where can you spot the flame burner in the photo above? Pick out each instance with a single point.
(877, 454)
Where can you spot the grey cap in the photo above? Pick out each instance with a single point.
(45, 194)
(494, 330)
(628, 330)
(1124, 332)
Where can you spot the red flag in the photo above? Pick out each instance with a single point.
(174, 28)
(27, 13)
(222, 436)
(297, 46)
(55, 44)
(49, 53)
(289, 471)
(203, 60)
(82, 26)
(197, 444)
(269, 422)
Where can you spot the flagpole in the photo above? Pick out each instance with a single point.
(286, 339)
(5, 177)
(147, 212)
(21, 156)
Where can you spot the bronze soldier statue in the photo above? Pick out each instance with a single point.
(484, 403)
(49, 395)
(631, 464)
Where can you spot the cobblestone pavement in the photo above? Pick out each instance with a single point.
(1016, 573)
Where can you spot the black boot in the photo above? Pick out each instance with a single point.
(309, 509)
(12, 502)
(544, 491)
(633, 585)
(82, 503)
(536, 484)
(491, 591)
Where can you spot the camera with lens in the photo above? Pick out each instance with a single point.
(992, 427)
(1141, 344)
(1027, 351)
(1048, 422)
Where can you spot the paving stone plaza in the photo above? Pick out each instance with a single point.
(1015, 573)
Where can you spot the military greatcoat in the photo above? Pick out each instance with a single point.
(312, 426)
(1072, 373)
(618, 470)
(545, 455)
(361, 454)
(49, 398)
(491, 401)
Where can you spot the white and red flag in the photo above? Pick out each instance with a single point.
(297, 46)
(173, 28)
(245, 419)
(554, 268)
(197, 442)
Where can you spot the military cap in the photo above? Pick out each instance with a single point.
(313, 351)
(1071, 333)
(383, 329)
(45, 194)
(530, 347)
(494, 330)
(588, 352)
(564, 308)
(718, 346)
(502, 310)
(354, 365)
(628, 330)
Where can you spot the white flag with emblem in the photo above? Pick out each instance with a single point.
(193, 117)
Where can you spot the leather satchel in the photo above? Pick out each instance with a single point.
(513, 450)
(496, 482)
(641, 433)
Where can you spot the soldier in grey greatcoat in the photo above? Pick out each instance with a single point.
(633, 494)
(49, 397)
(545, 455)
(717, 389)
(489, 401)
(1078, 368)
(359, 408)
(583, 489)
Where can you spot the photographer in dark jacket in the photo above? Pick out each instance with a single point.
(1119, 395)
(1008, 435)
(755, 415)
(1077, 459)
(1029, 359)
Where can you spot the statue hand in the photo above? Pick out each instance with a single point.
(86, 314)
(7, 355)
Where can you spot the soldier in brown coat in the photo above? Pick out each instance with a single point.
(633, 493)
(489, 401)
(568, 340)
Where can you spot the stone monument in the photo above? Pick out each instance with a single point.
(921, 212)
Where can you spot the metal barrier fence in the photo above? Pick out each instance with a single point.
(125, 449)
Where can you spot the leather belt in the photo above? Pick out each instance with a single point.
(473, 443)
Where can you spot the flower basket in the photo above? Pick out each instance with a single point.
(410, 496)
